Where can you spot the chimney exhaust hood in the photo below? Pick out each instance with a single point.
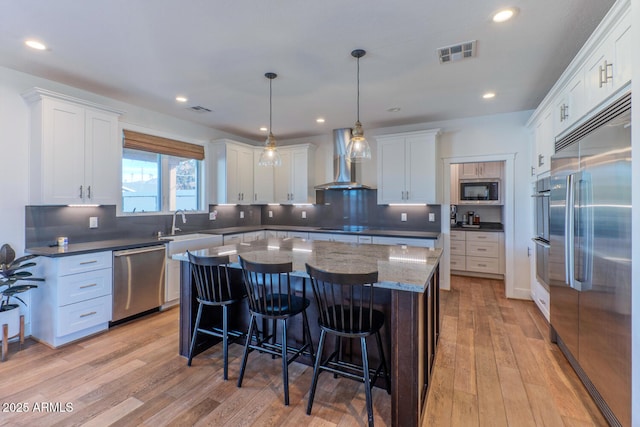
(344, 171)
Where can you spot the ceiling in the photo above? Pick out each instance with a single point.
(216, 53)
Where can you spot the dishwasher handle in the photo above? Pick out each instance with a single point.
(137, 251)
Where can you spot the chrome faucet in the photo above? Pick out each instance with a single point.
(173, 224)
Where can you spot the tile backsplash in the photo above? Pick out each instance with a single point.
(337, 208)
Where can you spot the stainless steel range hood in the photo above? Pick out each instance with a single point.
(344, 172)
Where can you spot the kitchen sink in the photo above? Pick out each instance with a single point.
(190, 242)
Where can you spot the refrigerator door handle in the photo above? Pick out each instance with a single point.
(584, 227)
(569, 231)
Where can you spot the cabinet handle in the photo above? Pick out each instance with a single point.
(481, 250)
(91, 313)
(88, 192)
(88, 286)
(533, 171)
(81, 191)
(255, 197)
(88, 262)
(540, 159)
(482, 265)
(604, 73)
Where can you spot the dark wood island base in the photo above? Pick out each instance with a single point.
(409, 337)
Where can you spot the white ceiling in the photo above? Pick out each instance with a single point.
(216, 53)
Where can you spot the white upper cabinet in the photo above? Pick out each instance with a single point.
(231, 168)
(75, 150)
(409, 168)
(293, 179)
(609, 67)
(570, 104)
(480, 170)
(544, 141)
(263, 180)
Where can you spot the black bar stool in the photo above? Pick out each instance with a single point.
(345, 303)
(214, 288)
(272, 297)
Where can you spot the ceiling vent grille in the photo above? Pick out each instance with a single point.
(199, 109)
(457, 52)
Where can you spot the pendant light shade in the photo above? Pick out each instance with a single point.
(270, 155)
(358, 149)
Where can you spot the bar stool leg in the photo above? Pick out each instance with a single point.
(316, 371)
(367, 380)
(195, 334)
(387, 379)
(5, 341)
(245, 355)
(285, 363)
(225, 342)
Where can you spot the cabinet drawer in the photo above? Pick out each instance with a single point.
(298, 234)
(458, 262)
(457, 235)
(404, 241)
(481, 236)
(483, 265)
(83, 286)
(365, 239)
(86, 262)
(83, 315)
(483, 249)
(458, 247)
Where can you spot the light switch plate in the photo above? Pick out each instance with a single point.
(241, 214)
(304, 214)
(270, 214)
(93, 222)
(432, 217)
(213, 215)
(403, 217)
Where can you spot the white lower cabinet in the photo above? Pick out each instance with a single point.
(541, 297)
(75, 301)
(477, 252)
(334, 237)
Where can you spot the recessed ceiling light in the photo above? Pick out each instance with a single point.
(34, 44)
(504, 14)
(263, 129)
(489, 95)
(319, 120)
(181, 98)
(393, 109)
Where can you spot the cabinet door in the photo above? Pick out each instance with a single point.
(468, 171)
(391, 171)
(299, 178)
(544, 141)
(263, 177)
(282, 178)
(491, 170)
(621, 53)
(101, 180)
(63, 155)
(420, 174)
(233, 185)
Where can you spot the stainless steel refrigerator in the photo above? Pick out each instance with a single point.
(590, 256)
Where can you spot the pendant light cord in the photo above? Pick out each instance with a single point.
(358, 91)
(270, 109)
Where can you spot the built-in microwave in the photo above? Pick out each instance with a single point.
(481, 192)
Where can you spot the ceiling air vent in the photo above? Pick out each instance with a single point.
(457, 52)
(199, 109)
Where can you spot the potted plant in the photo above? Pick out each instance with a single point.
(12, 271)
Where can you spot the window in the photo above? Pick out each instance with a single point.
(157, 178)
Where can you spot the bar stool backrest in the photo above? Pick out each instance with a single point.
(211, 277)
(345, 300)
(268, 286)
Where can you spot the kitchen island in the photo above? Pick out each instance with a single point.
(408, 278)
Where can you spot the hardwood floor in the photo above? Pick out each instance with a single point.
(495, 366)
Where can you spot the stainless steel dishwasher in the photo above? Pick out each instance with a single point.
(138, 281)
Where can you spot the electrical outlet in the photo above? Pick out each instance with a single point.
(241, 214)
(304, 214)
(93, 222)
(213, 215)
(403, 217)
(270, 214)
(432, 217)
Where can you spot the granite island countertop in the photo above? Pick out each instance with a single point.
(404, 268)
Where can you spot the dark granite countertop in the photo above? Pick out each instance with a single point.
(129, 243)
(484, 226)
(97, 246)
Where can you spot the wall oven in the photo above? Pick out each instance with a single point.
(480, 192)
(541, 239)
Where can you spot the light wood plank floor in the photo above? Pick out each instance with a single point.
(495, 366)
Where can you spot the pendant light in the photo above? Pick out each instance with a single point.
(270, 155)
(358, 149)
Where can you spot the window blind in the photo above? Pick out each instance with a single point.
(157, 144)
